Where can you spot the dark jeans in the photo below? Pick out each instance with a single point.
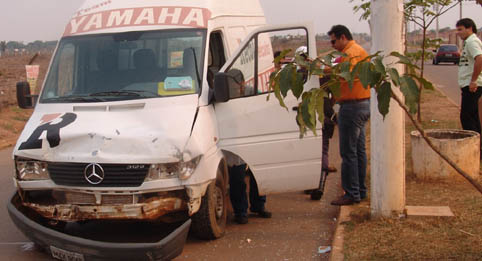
(469, 112)
(352, 118)
(237, 191)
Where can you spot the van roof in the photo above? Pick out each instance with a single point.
(104, 16)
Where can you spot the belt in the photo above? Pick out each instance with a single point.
(353, 101)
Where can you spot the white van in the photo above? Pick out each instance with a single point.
(141, 100)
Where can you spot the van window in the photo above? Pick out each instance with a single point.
(254, 65)
(242, 72)
(124, 66)
(65, 77)
(216, 56)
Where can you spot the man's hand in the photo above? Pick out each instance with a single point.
(473, 86)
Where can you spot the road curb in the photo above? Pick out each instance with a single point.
(338, 237)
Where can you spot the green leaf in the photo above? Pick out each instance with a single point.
(394, 76)
(320, 100)
(297, 84)
(384, 93)
(410, 91)
(334, 87)
(403, 59)
(365, 74)
(300, 122)
(306, 111)
(285, 79)
(277, 94)
(379, 66)
(281, 56)
(375, 78)
(426, 84)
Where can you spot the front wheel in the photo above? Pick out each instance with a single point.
(210, 221)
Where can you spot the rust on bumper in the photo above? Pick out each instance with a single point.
(150, 210)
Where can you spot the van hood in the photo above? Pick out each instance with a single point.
(144, 131)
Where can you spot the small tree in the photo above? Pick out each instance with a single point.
(423, 14)
(372, 74)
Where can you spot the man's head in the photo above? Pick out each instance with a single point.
(465, 27)
(340, 36)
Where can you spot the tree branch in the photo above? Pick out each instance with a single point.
(430, 144)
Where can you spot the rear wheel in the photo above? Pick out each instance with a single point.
(210, 221)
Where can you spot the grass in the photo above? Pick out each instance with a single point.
(8, 126)
(422, 238)
(12, 121)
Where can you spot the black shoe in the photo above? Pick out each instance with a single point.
(343, 201)
(263, 214)
(241, 219)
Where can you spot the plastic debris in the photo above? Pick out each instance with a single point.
(324, 249)
(434, 121)
(28, 246)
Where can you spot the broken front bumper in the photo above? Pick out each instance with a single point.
(47, 238)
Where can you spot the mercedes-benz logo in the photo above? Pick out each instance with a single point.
(94, 173)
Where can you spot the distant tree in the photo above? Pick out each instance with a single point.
(3, 47)
(445, 29)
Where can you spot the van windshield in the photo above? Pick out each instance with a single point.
(125, 66)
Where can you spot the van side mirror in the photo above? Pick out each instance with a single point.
(221, 87)
(24, 99)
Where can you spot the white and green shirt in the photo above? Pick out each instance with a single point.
(472, 48)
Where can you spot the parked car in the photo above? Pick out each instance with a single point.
(446, 53)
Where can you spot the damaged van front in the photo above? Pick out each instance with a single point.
(138, 108)
(114, 135)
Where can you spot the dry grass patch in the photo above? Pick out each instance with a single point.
(422, 238)
(12, 121)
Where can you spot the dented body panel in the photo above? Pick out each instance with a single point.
(138, 136)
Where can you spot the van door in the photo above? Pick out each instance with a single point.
(261, 132)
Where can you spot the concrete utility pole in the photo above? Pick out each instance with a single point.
(387, 136)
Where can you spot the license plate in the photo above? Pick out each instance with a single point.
(65, 255)
(449, 55)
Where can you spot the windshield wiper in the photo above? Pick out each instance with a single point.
(123, 93)
(72, 99)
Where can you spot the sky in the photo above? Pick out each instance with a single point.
(29, 20)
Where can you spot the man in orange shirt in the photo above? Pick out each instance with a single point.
(353, 114)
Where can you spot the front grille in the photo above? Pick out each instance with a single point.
(115, 175)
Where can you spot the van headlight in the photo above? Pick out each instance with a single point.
(28, 169)
(181, 170)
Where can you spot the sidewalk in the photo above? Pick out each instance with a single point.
(298, 228)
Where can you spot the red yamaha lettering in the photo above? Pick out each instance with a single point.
(128, 17)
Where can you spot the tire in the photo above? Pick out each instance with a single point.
(210, 221)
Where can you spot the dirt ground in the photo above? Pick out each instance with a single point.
(12, 118)
(424, 238)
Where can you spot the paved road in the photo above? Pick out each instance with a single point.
(444, 76)
(298, 227)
